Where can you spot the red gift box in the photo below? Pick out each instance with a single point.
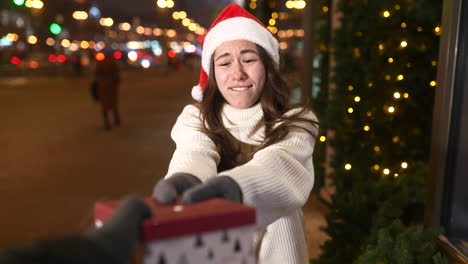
(177, 220)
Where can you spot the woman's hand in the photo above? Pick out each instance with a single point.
(218, 187)
(167, 190)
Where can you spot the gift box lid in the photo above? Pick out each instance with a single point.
(185, 219)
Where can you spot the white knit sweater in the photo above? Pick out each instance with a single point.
(277, 181)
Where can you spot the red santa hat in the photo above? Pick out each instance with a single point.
(233, 23)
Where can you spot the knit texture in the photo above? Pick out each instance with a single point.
(277, 181)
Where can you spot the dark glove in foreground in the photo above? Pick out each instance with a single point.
(167, 190)
(218, 187)
(114, 243)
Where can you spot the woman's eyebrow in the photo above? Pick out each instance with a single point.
(249, 51)
(223, 55)
(245, 51)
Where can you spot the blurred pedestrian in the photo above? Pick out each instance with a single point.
(107, 75)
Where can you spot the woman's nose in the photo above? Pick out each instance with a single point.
(238, 72)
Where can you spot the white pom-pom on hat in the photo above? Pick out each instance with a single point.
(197, 93)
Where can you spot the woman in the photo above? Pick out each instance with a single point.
(243, 141)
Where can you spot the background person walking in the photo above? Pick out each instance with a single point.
(107, 75)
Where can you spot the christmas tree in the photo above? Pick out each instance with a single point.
(381, 113)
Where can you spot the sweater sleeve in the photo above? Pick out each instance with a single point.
(279, 178)
(195, 152)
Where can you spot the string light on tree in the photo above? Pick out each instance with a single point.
(433, 83)
(348, 166)
(396, 95)
(404, 165)
(404, 44)
(386, 171)
(386, 14)
(322, 138)
(350, 110)
(391, 109)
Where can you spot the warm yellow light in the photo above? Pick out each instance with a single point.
(274, 30)
(397, 95)
(391, 109)
(433, 83)
(171, 33)
(397, 7)
(386, 13)
(182, 14)
(157, 31)
(125, 26)
(290, 4)
(381, 46)
(390, 60)
(186, 22)
(272, 22)
(403, 24)
(32, 40)
(50, 41)
(376, 148)
(357, 99)
(65, 43)
(252, 5)
(434, 63)
(299, 33)
(12, 37)
(283, 45)
(140, 30)
(386, 171)
(170, 4)
(437, 29)
(161, 3)
(175, 15)
(376, 167)
(400, 77)
(366, 128)
(404, 165)
(395, 139)
(350, 88)
(370, 84)
(395, 175)
(347, 166)
(350, 110)
(325, 9)
(192, 26)
(84, 44)
(388, 77)
(274, 15)
(369, 113)
(419, 29)
(404, 44)
(80, 15)
(300, 4)
(405, 95)
(323, 139)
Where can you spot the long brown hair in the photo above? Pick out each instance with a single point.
(275, 101)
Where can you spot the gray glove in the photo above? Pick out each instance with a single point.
(218, 187)
(167, 190)
(119, 234)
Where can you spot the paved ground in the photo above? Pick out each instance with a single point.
(56, 160)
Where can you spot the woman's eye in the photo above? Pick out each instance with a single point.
(223, 64)
(249, 61)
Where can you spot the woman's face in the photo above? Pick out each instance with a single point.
(239, 72)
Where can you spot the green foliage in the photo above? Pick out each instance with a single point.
(400, 244)
(387, 150)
